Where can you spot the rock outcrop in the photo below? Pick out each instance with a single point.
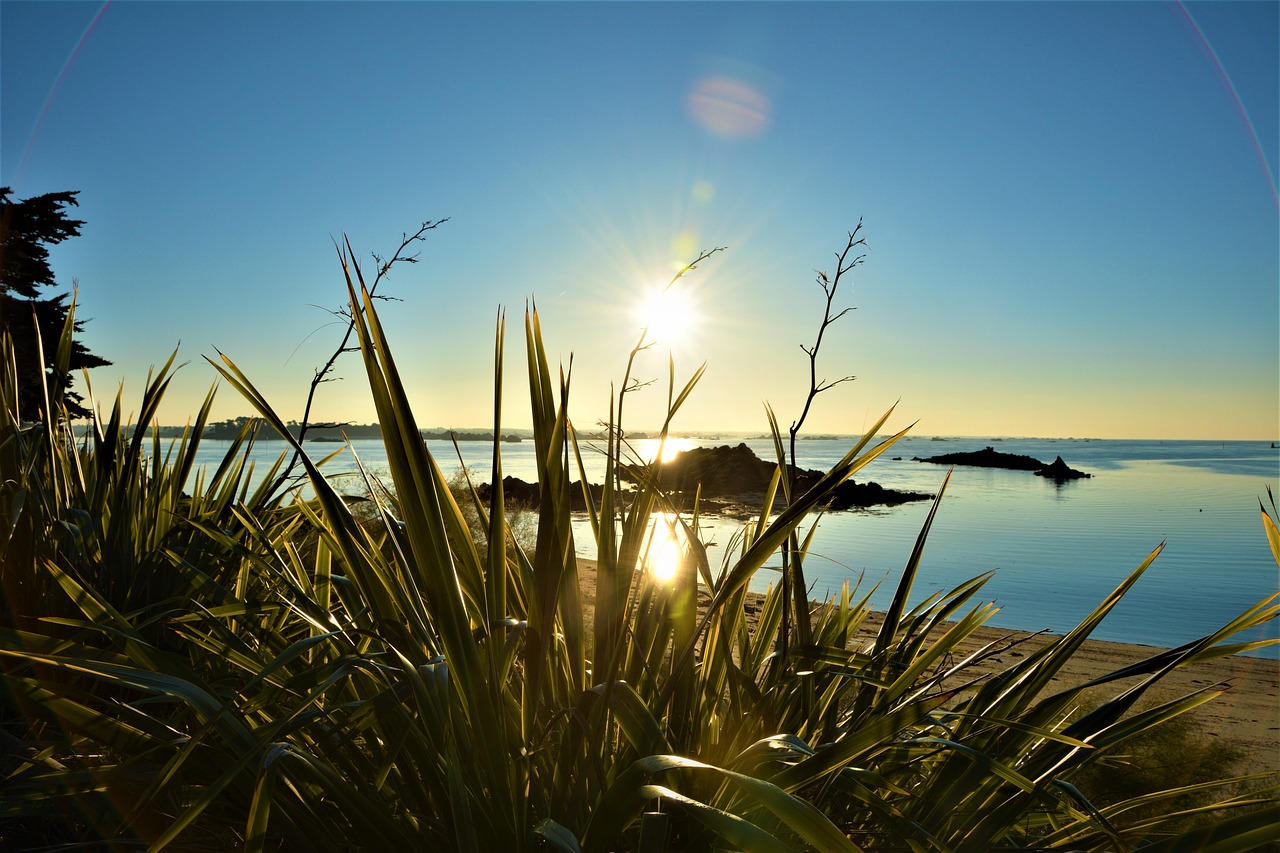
(519, 493)
(1058, 471)
(737, 475)
(733, 482)
(988, 458)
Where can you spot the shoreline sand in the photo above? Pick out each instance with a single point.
(1247, 713)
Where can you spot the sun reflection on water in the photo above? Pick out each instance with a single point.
(663, 549)
(648, 449)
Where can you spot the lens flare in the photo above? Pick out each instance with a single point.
(684, 245)
(703, 192)
(1234, 95)
(728, 107)
(49, 99)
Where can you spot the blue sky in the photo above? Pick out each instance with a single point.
(1070, 207)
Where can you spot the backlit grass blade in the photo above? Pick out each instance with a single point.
(496, 569)
(893, 614)
(740, 833)
(1269, 525)
(557, 836)
(797, 510)
(876, 734)
(255, 835)
(798, 815)
(1242, 831)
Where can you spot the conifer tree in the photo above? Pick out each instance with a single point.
(27, 229)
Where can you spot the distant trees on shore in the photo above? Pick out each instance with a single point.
(231, 427)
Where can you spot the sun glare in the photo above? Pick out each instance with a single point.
(662, 551)
(668, 315)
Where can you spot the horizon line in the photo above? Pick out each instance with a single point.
(645, 434)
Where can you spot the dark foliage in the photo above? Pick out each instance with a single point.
(27, 229)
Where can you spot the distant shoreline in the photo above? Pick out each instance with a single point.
(228, 430)
(220, 431)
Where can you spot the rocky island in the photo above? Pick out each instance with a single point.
(1058, 471)
(733, 483)
(737, 475)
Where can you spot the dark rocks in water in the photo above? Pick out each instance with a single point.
(1059, 472)
(851, 495)
(519, 493)
(733, 479)
(722, 471)
(736, 473)
(989, 458)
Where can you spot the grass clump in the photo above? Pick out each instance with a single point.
(1177, 754)
(220, 668)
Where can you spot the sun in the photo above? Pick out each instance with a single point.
(668, 314)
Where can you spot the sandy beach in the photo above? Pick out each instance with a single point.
(1247, 713)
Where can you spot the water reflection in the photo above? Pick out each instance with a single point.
(1056, 551)
(647, 449)
(663, 547)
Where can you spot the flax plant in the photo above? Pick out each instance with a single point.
(100, 549)
(233, 669)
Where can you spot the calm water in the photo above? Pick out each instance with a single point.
(1057, 550)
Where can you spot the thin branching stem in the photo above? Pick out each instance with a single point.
(642, 344)
(322, 374)
(793, 584)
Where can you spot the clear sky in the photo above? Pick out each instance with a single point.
(1070, 207)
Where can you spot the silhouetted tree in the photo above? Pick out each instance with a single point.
(27, 229)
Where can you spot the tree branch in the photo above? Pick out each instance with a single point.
(346, 255)
(628, 384)
(793, 584)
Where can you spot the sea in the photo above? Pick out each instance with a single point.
(1054, 550)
